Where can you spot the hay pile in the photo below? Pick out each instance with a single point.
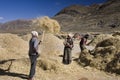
(106, 55)
(47, 24)
(115, 41)
(116, 34)
(51, 45)
(110, 48)
(12, 46)
(13, 53)
(99, 38)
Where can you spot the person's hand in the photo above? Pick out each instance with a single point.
(40, 41)
(37, 54)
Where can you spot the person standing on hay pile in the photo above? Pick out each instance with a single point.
(68, 45)
(33, 53)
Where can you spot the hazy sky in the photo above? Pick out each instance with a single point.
(27, 9)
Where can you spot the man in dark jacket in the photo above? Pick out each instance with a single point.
(33, 53)
(68, 45)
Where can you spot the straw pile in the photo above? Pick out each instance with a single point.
(12, 46)
(47, 24)
(99, 38)
(115, 41)
(106, 55)
(110, 48)
(116, 34)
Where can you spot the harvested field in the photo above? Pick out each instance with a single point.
(15, 65)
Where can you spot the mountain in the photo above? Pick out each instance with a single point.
(16, 26)
(103, 17)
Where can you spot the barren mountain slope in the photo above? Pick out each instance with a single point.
(97, 17)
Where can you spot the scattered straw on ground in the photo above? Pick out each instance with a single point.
(15, 66)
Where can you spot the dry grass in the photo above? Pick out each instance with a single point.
(100, 38)
(49, 66)
(12, 46)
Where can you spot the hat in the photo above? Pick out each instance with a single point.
(34, 33)
(70, 35)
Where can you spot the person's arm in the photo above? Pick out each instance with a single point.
(85, 41)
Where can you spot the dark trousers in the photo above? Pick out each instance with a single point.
(33, 60)
(67, 57)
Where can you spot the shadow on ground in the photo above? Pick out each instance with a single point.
(7, 71)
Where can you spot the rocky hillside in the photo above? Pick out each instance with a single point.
(96, 17)
(103, 17)
(16, 26)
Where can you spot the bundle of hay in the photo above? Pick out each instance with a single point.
(47, 24)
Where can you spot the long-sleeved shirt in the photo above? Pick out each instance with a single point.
(33, 46)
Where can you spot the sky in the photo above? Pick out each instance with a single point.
(28, 9)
